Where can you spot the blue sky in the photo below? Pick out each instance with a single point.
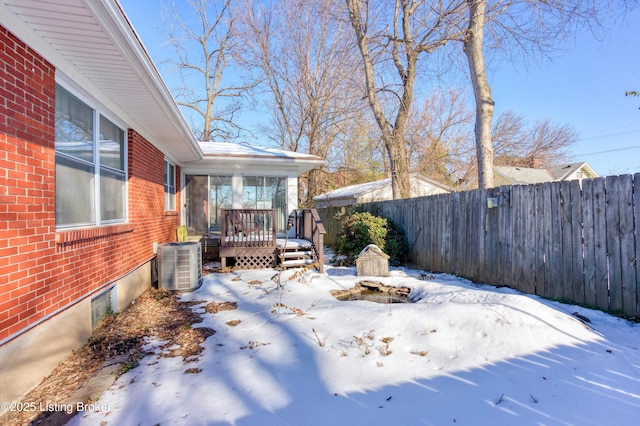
(583, 86)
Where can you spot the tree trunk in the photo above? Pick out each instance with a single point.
(482, 91)
(314, 185)
(399, 166)
(392, 134)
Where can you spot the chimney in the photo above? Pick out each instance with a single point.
(536, 163)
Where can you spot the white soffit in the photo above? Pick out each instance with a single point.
(93, 43)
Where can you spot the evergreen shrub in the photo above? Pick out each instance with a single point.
(361, 229)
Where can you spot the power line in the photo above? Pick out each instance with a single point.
(609, 135)
(610, 150)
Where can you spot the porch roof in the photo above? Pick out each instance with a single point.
(93, 44)
(242, 156)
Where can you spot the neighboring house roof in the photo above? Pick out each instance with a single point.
(565, 171)
(520, 175)
(225, 155)
(524, 175)
(95, 47)
(353, 191)
(362, 189)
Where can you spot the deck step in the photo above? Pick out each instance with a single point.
(294, 254)
(297, 262)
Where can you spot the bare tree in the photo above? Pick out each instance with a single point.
(412, 29)
(306, 68)
(530, 28)
(473, 49)
(515, 143)
(203, 44)
(438, 134)
(518, 144)
(359, 156)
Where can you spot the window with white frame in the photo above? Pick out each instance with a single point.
(169, 186)
(90, 165)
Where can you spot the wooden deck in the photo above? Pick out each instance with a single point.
(249, 236)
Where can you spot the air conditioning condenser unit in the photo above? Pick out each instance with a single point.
(180, 266)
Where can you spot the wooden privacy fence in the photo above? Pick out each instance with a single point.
(563, 240)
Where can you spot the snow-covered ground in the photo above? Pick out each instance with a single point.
(462, 354)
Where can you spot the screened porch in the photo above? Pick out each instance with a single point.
(207, 195)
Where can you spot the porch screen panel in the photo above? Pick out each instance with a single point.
(259, 192)
(197, 205)
(220, 197)
(206, 196)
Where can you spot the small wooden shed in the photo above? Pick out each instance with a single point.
(372, 261)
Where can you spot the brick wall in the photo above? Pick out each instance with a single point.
(146, 197)
(27, 174)
(41, 270)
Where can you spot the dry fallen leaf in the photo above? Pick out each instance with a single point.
(215, 307)
(157, 314)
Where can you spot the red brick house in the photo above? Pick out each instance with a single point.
(93, 149)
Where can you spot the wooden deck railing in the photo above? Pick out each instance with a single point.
(309, 227)
(252, 233)
(248, 228)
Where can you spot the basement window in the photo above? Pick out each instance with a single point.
(102, 305)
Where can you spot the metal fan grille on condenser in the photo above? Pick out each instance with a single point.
(180, 266)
